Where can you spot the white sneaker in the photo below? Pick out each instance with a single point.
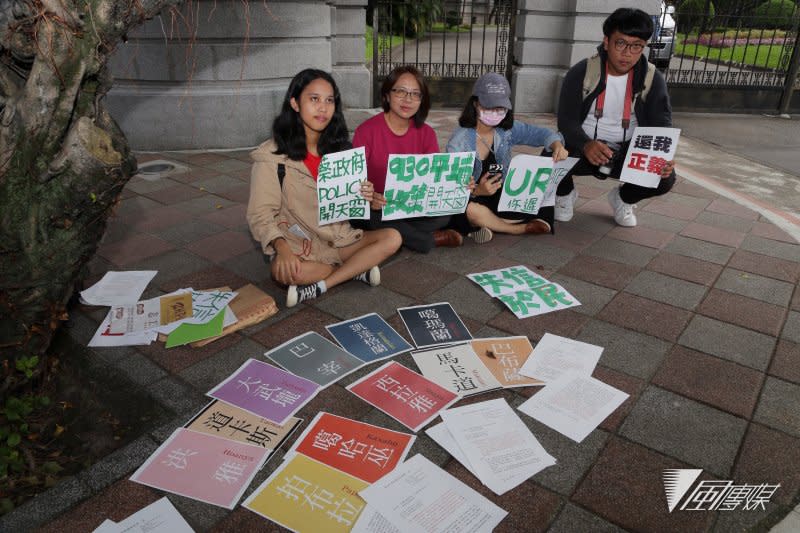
(482, 236)
(301, 293)
(370, 277)
(565, 206)
(623, 213)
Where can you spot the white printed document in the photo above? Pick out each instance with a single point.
(420, 496)
(555, 355)
(574, 404)
(158, 517)
(118, 288)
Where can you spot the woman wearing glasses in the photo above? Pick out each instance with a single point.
(401, 129)
(487, 127)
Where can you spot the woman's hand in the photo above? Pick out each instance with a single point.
(559, 152)
(367, 191)
(378, 201)
(286, 265)
(488, 184)
(666, 170)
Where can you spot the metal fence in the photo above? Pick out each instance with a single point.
(453, 40)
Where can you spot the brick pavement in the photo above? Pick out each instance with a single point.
(697, 308)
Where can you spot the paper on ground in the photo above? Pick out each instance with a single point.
(103, 338)
(442, 436)
(555, 355)
(574, 404)
(158, 517)
(498, 446)
(420, 496)
(456, 368)
(118, 288)
(371, 521)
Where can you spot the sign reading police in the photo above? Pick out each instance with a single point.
(427, 185)
(339, 186)
(531, 183)
(650, 149)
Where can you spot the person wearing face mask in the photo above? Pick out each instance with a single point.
(487, 127)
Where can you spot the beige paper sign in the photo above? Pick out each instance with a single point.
(230, 422)
(504, 356)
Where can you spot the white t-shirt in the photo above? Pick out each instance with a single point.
(610, 126)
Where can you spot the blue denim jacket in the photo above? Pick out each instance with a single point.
(464, 140)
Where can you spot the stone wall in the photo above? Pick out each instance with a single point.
(214, 76)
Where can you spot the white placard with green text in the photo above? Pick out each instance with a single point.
(531, 182)
(339, 186)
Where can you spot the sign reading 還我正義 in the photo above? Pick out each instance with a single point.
(650, 149)
(339, 186)
(427, 185)
(531, 182)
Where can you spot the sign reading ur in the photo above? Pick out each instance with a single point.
(427, 185)
(531, 183)
(339, 186)
(650, 149)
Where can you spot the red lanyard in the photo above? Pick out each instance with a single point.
(626, 110)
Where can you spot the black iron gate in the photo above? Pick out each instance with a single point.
(737, 56)
(452, 42)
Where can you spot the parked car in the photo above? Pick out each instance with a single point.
(661, 44)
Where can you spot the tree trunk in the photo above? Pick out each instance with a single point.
(63, 160)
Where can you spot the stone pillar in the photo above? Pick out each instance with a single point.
(215, 77)
(348, 46)
(551, 36)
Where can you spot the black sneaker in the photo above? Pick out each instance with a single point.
(301, 293)
(370, 277)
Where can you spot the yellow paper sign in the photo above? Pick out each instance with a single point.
(175, 307)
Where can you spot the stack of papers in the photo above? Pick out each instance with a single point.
(158, 517)
(555, 355)
(491, 441)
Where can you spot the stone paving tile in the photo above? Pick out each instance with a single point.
(143, 186)
(621, 252)
(702, 250)
(708, 379)
(178, 358)
(302, 321)
(217, 184)
(650, 237)
(781, 250)
(140, 369)
(593, 298)
(121, 500)
(239, 194)
(690, 200)
(209, 278)
(229, 165)
(540, 255)
(742, 311)
(685, 429)
(719, 220)
(116, 230)
(356, 299)
(771, 231)
(625, 487)
(204, 158)
(177, 396)
(652, 220)
(157, 219)
(796, 300)
(600, 271)
(683, 267)
(791, 330)
(176, 194)
(530, 508)
(208, 203)
(135, 248)
(566, 323)
(765, 265)
(135, 206)
(171, 265)
(769, 456)
(754, 286)
(253, 266)
(572, 518)
(590, 223)
(416, 279)
(720, 205)
(673, 209)
(779, 406)
(223, 246)
(666, 289)
(729, 342)
(469, 300)
(570, 238)
(713, 234)
(624, 350)
(686, 187)
(646, 316)
(628, 384)
(336, 399)
(199, 515)
(786, 362)
(230, 217)
(207, 372)
(746, 521)
(185, 234)
(195, 174)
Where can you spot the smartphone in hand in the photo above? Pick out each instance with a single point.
(495, 172)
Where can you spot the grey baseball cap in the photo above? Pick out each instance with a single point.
(493, 90)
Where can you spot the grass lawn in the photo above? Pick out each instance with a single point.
(765, 55)
(395, 40)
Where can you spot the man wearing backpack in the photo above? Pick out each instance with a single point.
(603, 99)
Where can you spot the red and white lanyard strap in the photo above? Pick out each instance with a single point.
(626, 109)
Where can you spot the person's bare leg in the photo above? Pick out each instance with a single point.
(481, 216)
(310, 272)
(373, 248)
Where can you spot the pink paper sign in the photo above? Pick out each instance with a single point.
(266, 391)
(202, 467)
(406, 396)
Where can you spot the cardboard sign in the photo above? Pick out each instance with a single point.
(403, 394)
(339, 186)
(434, 324)
(362, 450)
(649, 150)
(427, 185)
(312, 356)
(368, 337)
(531, 182)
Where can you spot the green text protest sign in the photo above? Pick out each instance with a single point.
(339, 186)
(531, 182)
